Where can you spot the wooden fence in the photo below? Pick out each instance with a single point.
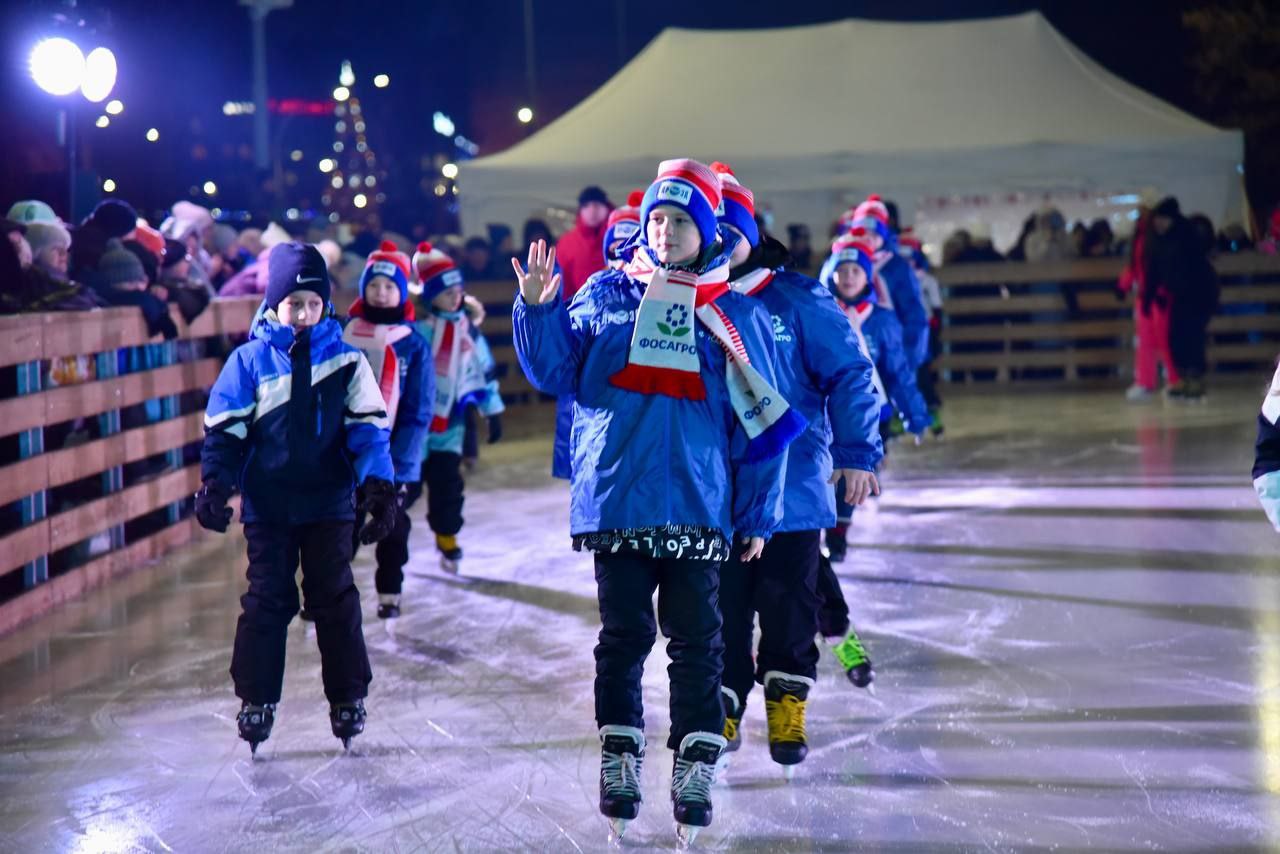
(1018, 322)
(156, 375)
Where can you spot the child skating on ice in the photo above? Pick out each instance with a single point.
(296, 423)
(381, 326)
(464, 377)
(678, 441)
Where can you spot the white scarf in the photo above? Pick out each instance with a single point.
(460, 379)
(376, 341)
(664, 355)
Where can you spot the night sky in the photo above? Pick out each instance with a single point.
(181, 61)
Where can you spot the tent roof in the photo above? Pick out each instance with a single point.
(852, 86)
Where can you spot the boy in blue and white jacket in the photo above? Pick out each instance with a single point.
(296, 423)
(381, 326)
(465, 377)
(824, 374)
(1266, 460)
(678, 441)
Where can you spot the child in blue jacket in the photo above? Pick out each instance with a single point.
(296, 423)
(381, 326)
(677, 442)
(465, 376)
(824, 374)
(1266, 460)
(848, 275)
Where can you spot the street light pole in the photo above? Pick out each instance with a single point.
(258, 11)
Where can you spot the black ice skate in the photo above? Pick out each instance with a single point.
(785, 698)
(732, 729)
(692, 776)
(347, 721)
(255, 724)
(621, 758)
(388, 606)
(837, 545)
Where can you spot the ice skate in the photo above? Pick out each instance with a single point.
(785, 699)
(854, 659)
(692, 776)
(450, 553)
(306, 616)
(621, 758)
(388, 606)
(1138, 394)
(732, 729)
(347, 721)
(837, 545)
(255, 723)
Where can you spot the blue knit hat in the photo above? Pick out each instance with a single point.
(739, 208)
(435, 271)
(390, 262)
(690, 186)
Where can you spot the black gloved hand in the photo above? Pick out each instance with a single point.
(212, 511)
(495, 428)
(378, 499)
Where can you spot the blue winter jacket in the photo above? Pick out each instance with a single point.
(647, 460)
(295, 428)
(883, 334)
(908, 304)
(1266, 460)
(450, 440)
(824, 375)
(413, 413)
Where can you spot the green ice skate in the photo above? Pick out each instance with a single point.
(855, 661)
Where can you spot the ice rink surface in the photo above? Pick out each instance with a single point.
(1071, 603)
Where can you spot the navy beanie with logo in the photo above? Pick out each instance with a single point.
(295, 266)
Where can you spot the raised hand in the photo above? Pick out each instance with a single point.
(540, 282)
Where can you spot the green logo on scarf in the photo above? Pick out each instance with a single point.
(677, 323)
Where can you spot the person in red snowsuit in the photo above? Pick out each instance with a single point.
(579, 250)
(1150, 318)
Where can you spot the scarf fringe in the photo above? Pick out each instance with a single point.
(645, 379)
(775, 439)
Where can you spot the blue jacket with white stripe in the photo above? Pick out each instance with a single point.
(295, 428)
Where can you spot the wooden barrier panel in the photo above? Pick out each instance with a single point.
(27, 343)
(1064, 321)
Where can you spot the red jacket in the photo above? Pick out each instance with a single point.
(580, 253)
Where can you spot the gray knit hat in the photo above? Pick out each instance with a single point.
(223, 237)
(42, 235)
(118, 266)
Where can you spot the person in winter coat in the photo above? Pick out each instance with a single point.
(1178, 263)
(1049, 239)
(464, 377)
(826, 377)
(122, 280)
(1266, 460)
(381, 326)
(678, 439)
(296, 422)
(848, 273)
(579, 250)
(1150, 315)
(901, 289)
(31, 289)
(620, 229)
(912, 250)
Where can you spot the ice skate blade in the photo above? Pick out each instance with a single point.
(871, 688)
(617, 830)
(788, 772)
(449, 566)
(686, 834)
(346, 744)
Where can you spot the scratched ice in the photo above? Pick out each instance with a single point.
(1071, 602)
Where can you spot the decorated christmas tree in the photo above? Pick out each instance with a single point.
(355, 180)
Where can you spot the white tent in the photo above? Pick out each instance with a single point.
(814, 118)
